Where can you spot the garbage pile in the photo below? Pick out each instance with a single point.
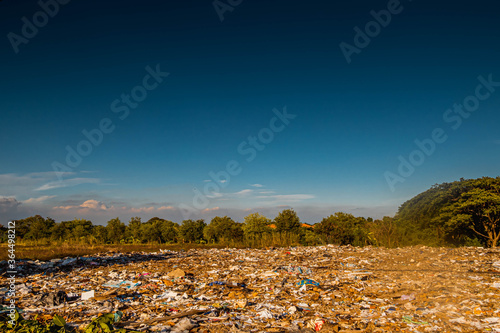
(303, 289)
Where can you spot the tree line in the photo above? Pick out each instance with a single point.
(256, 230)
(461, 213)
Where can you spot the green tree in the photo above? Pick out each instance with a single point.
(287, 221)
(116, 230)
(133, 229)
(151, 230)
(384, 232)
(100, 233)
(459, 213)
(81, 229)
(71, 230)
(169, 232)
(39, 228)
(3, 234)
(34, 227)
(192, 231)
(255, 226)
(60, 231)
(223, 228)
(477, 209)
(342, 228)
(159, 230)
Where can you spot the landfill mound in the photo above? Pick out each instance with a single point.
(301, 289)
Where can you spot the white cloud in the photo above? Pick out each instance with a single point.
(87, 205)
(287, 197)
(257, 185)
(94, 204)
(215, 195)
(206, 210)
(8, 204)
(67, 183)
(166, 208)
(39, 199)
(244, 192)
(13, 184)
(142, 209)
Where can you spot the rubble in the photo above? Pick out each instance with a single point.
(302, 289)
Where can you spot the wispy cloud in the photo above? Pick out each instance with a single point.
(67, 183)
(215, 195)
(39, 199)
(244, 192)
(166, 208)
(286, 197)
(13, 184)
(142, 209)
(257, 185)
(89, 204)
(206, 210)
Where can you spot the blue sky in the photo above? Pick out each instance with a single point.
(349, 122)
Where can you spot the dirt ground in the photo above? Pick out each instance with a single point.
(301, 289)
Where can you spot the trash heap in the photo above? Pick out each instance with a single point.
(302, 289)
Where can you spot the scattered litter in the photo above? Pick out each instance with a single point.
(87, 295)
(308, 282)
(301, 289)
(53, 298)
(177, 273)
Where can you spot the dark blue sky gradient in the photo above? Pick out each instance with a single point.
(353, 120)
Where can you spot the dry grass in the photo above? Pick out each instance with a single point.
(46, 249)
(51, 251)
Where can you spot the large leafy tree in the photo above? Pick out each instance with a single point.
(255, 226)
(384, 232)
(159, 230)
(341, 228)
(61, 231)
(477, 209)
(287, 221)
(100, 233)
(116, 230)
(133, 229)
(170, 232)
(192, 231)
(34, 227)
(457, 212)
(223, 228)
(81, 229)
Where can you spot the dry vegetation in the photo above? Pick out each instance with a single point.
(47, 251)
